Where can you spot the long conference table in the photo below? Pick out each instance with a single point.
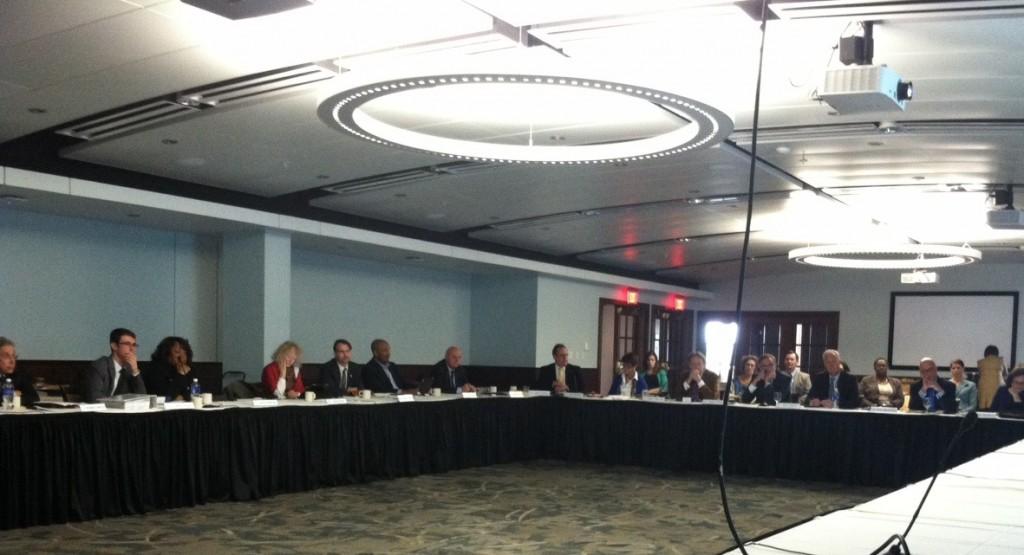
(74, 466)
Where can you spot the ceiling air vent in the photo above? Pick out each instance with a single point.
(891, 9)
(149, 113)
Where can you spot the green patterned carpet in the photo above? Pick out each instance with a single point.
(538, 507)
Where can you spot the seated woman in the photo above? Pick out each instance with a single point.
(880, 390)
(628, 382)
(966, 390)
(170, 372)
(655, 375)
(745, 376)
(694, 382)
(282, 378)
(1010, 397)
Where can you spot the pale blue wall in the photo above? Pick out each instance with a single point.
(504, 320)
(419, 311)
(66, 282)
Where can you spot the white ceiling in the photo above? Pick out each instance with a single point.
(963, 134)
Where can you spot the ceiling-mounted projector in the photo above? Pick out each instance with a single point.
(859, 89)
(1006, 218)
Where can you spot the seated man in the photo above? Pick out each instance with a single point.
(448, 373)
(380, 375)
(628, 382)
(340, 376)
(560, 376)
(21, 381)
(932, 393)
(695, 382)
(833, 387)
(800, 381)
(117, 373)
(767, 383)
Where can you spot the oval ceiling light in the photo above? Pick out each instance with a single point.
(519, 117)
(885, 257)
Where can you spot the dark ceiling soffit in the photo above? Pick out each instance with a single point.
(724, 261)
(38, 152)
(665, 241)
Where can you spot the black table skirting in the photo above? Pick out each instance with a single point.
(70, 467)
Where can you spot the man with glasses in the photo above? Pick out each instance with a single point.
(115, 374)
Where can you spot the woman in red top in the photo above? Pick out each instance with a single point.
(288, 384)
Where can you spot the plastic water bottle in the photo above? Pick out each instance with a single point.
(8, 394)
(196, 391)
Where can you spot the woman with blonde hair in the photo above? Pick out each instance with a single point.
(282, 378)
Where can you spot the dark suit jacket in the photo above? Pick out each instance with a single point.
(573, 378)
(678, 377)
(849, 395)
(330, 378)
(764, 394)
(377, 381)
(947, 403)
(99, 381)
(439, 374)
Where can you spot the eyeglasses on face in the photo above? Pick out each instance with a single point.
(131, 344)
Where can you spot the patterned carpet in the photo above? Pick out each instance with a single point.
(537, 507)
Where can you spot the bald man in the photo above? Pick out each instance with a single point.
(448, 373)
(932, 393)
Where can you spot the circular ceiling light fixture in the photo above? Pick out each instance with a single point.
(886, 257)
(510, 117)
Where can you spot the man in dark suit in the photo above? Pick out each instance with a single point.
(695, 382)
(932, 393)
(833, 387)
(115, 374)
(560, 376)
(21, 381)
(380, 375)
(767, 383)
(340, 376)
(448, 373)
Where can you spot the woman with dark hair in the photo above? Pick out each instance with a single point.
(627, 382)
(879, 389)
(991, 374)
(1010, 397)
(745, 376)
(655, 375)
(966, 391)
(170, 372)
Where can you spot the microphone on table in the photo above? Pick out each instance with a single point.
(968, 422)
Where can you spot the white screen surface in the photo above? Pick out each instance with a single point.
(946, 327)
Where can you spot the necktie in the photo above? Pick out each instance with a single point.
(344, 379)
(833, 386)
(451, 378)
(932, 401)
(560, 373)
(694, 390)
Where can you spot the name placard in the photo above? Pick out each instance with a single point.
(467, 394)
(92, 407)
(262, 403)
(406, 398)
(336, 401)
(516, 395)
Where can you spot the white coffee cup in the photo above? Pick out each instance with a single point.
(436, 391)
(207, 398)
(366, 394)
(310, 396)
(197, 402)
(512, 388)
(17, 401)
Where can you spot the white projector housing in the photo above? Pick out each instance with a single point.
(1005, 219)
(858, 89)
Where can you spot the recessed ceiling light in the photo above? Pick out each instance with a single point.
(414, 258)
(875, 143)
(322, 176)
(133, 215)
(918, 177)
(436, 216)
(192, 162)
(12, 199)
(37, 110)
(400, 195)
(783, 149)
(170, 141)
(493, 218)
